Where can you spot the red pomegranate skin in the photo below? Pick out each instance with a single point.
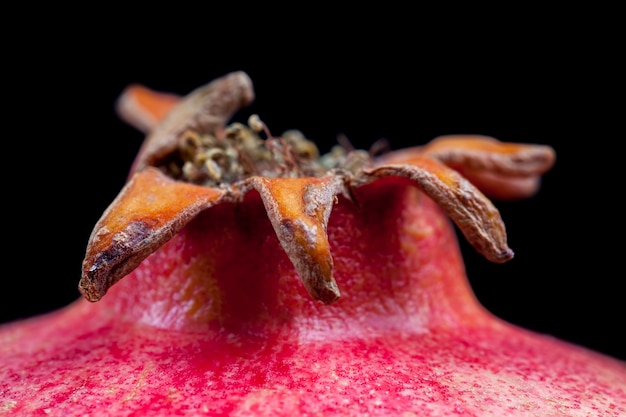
(216, 322)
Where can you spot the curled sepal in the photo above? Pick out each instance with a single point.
(503, 170)
(144, 108)
(149, 210)
(207, 109)
(473, 213)
(298, 209)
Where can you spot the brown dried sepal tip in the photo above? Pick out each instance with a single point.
(191, 160)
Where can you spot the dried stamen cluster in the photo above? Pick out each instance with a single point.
(212, 161)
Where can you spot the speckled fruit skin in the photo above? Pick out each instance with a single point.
(217, 323)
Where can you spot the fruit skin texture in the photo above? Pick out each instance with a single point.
(216, 322)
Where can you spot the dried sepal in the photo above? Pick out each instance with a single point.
(144, 108)
(207, 109)
(298, 209)
(477, 152)
(501, 170)
(150, 209)
(473, 213)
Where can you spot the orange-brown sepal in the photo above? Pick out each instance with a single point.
(473, 213)
(149, 210)
(207, 109)
(299, 209)
(502, 170)
(143, 107)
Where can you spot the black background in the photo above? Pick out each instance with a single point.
(541, 81)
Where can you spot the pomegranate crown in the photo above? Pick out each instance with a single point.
(192, 160)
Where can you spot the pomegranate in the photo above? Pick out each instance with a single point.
(235, 275)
